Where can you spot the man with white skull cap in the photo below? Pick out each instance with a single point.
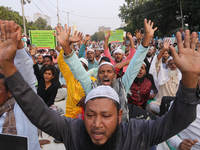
(102, 127)
(107, 76)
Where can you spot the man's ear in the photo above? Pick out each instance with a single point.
(9, 94)
(115, 76)
(120, 115)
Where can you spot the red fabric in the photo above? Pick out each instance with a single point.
(140, 93)
(117, 72)
(82, 114)
(107, 54)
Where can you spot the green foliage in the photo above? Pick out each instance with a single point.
(40, 23)
(7, 14)
(164, 13)
(98, 36)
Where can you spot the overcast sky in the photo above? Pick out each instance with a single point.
(88, 9)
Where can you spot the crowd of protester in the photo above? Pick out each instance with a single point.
(152, 83)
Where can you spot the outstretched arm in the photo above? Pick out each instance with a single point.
(83, 46)
(132, 51)
(72, 60)
(183, 110)
(106, 48)
(137, 60)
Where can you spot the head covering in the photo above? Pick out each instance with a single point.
(170, 58)
(84, 61)
(151, 47)
(118, 50)
(106, 63)
(102, 91)
(144, 63)
(90, 50)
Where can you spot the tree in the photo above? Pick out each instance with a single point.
(40, 23)
(98, 36)
(164, 13)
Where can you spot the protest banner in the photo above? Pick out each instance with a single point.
(116, 36)
(43, 39)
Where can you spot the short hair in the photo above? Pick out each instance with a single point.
(52, 50)
(114, 101)
(47, 56)
(50, 67)
(105, 59)
(5, 83)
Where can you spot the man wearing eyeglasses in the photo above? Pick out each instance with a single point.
(166, 80)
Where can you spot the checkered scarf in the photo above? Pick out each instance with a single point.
(9, 125)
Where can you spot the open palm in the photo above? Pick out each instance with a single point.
(188, 59)
(63, 35)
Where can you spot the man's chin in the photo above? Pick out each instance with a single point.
(99, 142)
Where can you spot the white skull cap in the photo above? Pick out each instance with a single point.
(102, 91)
(170, 58)
(106, 63)
(84, 61)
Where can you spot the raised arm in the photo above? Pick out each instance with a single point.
(106, 48)
(72, 60)
(183, 110)
(122, 64)
(165, 48)
(137, 60)
(132, 51)
(83, 46)
(32, 105)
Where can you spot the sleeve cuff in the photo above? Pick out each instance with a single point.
(68, 56)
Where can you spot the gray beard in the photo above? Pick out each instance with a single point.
(172, 73)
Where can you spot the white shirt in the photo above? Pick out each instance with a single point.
(24, 64)
(24, 127)
(191, 132)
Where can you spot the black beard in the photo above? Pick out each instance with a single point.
(55, 57)
(148, 56)
(111, 144)
(139, 80)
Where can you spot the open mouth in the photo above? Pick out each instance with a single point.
(97, 135)
(139, 74)
(106, 81)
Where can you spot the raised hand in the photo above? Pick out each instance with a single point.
(166, 44)
(19, 35)
(149, 32)
(148, 26)
(76, 38)
(129, 35)
(63, 35)
(108, 34)
(87, 38)
(188, 59)
(8, 47)
(137, 34)
(33, 51)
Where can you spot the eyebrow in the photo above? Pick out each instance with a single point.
(101, 111)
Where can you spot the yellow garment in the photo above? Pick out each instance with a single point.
(74, 89)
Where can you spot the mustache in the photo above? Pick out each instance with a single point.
(97, 130)
(106, 78)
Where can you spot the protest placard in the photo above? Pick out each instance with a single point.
(43, 39)
(116, 36)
